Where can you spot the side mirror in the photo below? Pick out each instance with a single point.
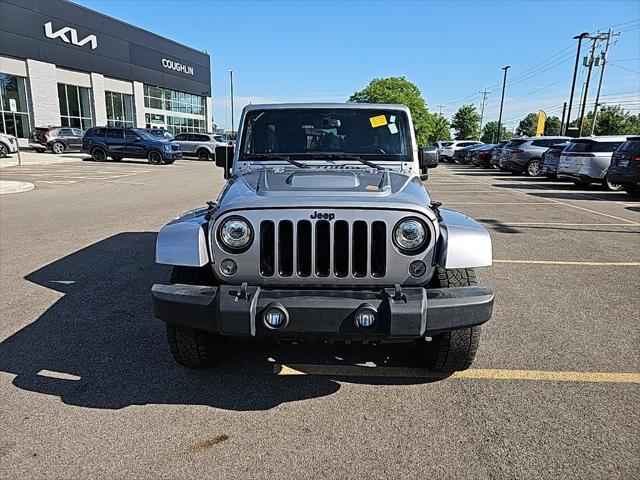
(428, 158)
(224, 158)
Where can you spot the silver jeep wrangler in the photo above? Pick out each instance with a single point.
(324, 232)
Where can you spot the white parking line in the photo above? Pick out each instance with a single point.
(559, 262)
(527, 224)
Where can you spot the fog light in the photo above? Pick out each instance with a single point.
(417, 268)
(365, 317)
(275, 316)
(228, 267)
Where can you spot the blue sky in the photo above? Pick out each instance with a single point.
(324, 51)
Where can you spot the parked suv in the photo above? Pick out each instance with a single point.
(586, 160)
(447, 151)
(201, 145)
(551, 160)
(625, 166)
(118, 143)
(497, 153)
(525, 154)
(56, 139)
(8, 144)
(324, 232)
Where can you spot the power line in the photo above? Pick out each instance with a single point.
(624, 68)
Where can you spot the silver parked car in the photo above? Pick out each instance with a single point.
(325, 231)
(8, 144)
(447, 151)
(525, 154)
(586, 160)
(201, 145)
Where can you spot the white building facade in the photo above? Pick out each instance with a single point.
(63, 64)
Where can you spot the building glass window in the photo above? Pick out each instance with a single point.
(153, 120)
(166, 99)
(75, 106)
(181, 124)
(13, 87)
(119, 109)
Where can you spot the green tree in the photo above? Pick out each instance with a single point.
(440, 130)
(632, 126)
(527, 126)
(399, 90)
(466, 123)
(612, 120)
(552, 126)
(490, 130)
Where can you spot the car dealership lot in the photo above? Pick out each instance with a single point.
(89, 389)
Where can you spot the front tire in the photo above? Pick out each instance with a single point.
(4, 151)
(192, 347)
(154, 157)
(455, 350)
(612, 187)
(533, 168)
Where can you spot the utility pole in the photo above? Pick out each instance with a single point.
(484, 94)
(504, 84)
(575, 74)
(232, 121)
(440, 107)
(594, 41)
(564, 111)
(604, 62)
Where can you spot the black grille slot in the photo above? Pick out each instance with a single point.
(359, 249)
(378, 249)
(285, 248)
(323, 247)
(267, 248)
(304, 248)
(341, 248)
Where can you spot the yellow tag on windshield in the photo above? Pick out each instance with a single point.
(379, 121)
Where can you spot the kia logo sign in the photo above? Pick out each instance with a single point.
(178, 67)
(70, 35)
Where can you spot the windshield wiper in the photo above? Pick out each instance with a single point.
(273, 156)
(347, 156)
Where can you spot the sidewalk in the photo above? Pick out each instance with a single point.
(31, 158)
(7, 186)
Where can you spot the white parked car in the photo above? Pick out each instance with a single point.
(8, 144)
(447, 151)
(201, 145)
(586, 160)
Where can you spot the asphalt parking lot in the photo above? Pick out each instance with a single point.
(88, 388)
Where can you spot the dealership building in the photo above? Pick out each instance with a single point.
(63, 64)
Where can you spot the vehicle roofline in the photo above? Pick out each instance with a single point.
(358, 106)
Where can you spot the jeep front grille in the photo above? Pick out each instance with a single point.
(323, 248)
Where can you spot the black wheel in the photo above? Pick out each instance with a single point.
(455, 350)
(4, 151)
(612, 187)
(154, 157)
(533, 168)
(203, 154)
(98, 154)
(581, 183)
(116, 158)
(57, 147)
(191, 347)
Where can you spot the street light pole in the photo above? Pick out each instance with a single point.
(232, 120)
(573, 82)
(504, 84)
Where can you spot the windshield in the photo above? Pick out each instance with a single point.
(589, 146)
(304, 133)
(145, 135)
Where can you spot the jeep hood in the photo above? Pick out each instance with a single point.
(325, 188)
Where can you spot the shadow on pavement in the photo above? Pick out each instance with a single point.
(100, 347)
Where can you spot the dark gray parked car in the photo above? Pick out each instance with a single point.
(56, 139)
(525, 154)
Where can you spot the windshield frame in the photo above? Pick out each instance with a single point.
(309, 155)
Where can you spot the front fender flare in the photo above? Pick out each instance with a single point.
(464, 243)
(183, 241)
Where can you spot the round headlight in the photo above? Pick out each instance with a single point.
(410, 234)
(236, 233)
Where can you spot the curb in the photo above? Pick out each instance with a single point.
(7, 186)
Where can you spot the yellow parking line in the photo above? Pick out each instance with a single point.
(560, 262)
(486, 374)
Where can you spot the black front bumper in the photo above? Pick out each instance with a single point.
(402, 313)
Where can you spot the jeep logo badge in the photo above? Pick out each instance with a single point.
(322, 216)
